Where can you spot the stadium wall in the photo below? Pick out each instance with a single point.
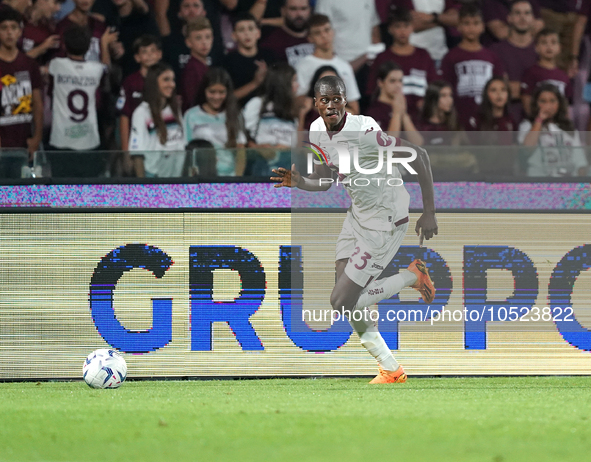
(223, 293)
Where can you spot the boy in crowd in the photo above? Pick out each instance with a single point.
(247, 64)
(147, 51)
(546, 70)
(469, 65)
(21, 120)
(321, 34)
(39, 38)
(73, 87)
(103, 40)
(416, 63)
(518, 52)
(289, 42)
(199, 40)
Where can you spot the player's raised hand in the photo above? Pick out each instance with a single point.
(426, 226)
(286, 178)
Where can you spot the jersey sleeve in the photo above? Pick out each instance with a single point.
(252, 114)
(139, 135)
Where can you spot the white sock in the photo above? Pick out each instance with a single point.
(385, 288)
(373, 342)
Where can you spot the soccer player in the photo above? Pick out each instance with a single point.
(376, 222)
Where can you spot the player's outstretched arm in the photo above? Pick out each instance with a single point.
(426, 226)
(320, 180)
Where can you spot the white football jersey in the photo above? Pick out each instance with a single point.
(378, 200)
(74, 121)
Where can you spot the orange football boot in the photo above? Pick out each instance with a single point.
(398, 376)
(424, 283)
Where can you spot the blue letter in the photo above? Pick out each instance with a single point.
(102, 284)
(291, 294)
(203, 260)
(560, 290)
(478, 259)
(441, 276)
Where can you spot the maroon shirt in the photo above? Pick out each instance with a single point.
(33, 36)
(287, 48)
(434, 134)
(97, 29)
(538, 75)
(131, 94)
(419, 71)
(500, 124)
(191, 80)
(381, 113)
(468, 72)
(18, 79)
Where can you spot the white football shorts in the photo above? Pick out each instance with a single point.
(368, 251)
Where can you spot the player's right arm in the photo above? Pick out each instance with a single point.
(319, 180)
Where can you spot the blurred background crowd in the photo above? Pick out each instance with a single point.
(171, 88)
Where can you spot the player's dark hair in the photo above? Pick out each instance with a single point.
(77, 40)
(400, 15)
(383, 71)
(545, 32)
(154, 99)
(317, 20)
(334, 83)
(485, 111)
(278, 95)
(561, 118)
(215, 76)
(470, 10)
(10, 14)
(431, 106)
(146, 40)
(321, 70)
(244, 17)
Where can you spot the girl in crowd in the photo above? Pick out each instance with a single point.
(389, 105)
(216, 119)
(558, 150)
(271, 120)
(493, 115)
(438, 115)
(156, 127)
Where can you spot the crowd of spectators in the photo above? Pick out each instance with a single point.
(226, 83)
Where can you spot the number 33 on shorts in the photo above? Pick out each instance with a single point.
(359, 259)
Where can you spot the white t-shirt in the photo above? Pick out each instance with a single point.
(267, 129)
(433, 40)
(201, 125)
(374, 204)
(308, 66)
(165, 161)
(352, 21)
(74, 121)
(559, 153)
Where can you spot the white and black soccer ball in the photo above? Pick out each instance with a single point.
(104, 368)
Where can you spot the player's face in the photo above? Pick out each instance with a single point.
(166, 84)
(331, 105)
(84, 5)
(191, 9)
(148, 56)
(497, 94)
(247, 33)
(322, 36)
(215, 96)
(200, 42)
(521, 17)
(548, 104)
(548, 47)
(471, 27)
(10, 32)
(446, 100)
(296, 14)
(401, 31)
(392, 84)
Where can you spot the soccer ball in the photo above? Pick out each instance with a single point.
(104, 368)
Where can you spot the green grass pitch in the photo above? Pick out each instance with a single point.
(449, 419)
